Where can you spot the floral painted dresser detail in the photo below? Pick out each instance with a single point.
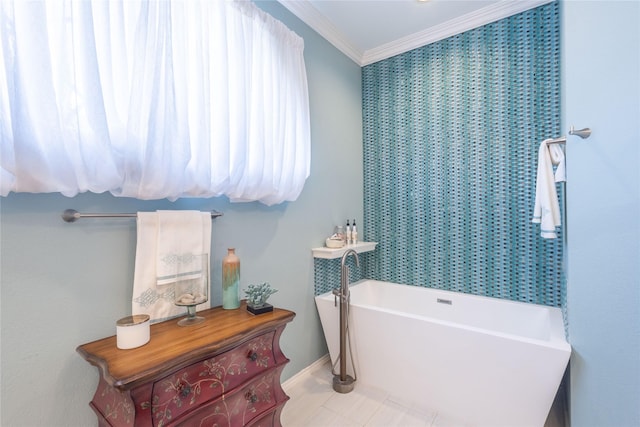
(222, 372)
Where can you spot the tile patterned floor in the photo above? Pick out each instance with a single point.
(313, 403)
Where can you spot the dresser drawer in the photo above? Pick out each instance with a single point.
(256, 401)
(205, 381)
(226, 370)
(270, 419)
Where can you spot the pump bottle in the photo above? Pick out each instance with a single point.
(354, 233)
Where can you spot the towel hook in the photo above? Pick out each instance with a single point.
(582, 133)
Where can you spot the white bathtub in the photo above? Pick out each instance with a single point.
(484, 361)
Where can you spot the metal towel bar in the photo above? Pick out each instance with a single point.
(582, 133)
(72, 215)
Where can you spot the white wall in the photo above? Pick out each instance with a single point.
(62, 285)
(601, 86)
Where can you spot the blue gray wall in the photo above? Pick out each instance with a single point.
(66, 284)
(601, 87)
(451, 137)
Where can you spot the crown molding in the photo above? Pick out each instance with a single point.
(305, 11)
(478, 18)
(308, 14)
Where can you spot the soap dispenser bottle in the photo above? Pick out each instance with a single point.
(354, 233)
(348, 233)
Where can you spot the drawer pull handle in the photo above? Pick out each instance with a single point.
(251, 397)
(185, 390)
(253, 355)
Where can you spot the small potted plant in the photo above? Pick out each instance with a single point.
(257, 296)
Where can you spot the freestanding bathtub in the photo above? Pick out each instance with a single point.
(483, 361)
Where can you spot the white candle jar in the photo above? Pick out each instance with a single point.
(132, 331)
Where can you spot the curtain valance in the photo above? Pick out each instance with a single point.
(152, 99)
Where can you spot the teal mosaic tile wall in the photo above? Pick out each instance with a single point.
(327, 272)
(451, 133)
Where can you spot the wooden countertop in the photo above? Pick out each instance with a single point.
(172, 347)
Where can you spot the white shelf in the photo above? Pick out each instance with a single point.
(331, 253)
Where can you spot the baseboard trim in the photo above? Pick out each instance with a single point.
(315, 366)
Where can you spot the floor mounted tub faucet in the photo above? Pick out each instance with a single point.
(343, 383)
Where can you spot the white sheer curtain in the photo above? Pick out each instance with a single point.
(152, 99)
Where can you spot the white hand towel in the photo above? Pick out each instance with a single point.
(165, 237)
(181, 235)
(546, 211)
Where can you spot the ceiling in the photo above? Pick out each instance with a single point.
(368, 31)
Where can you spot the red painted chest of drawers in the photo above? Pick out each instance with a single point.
(222, 372)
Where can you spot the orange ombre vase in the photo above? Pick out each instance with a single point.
(231, 280)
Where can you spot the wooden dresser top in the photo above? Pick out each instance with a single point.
(172, 346)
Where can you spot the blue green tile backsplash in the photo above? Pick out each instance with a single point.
(451, 134)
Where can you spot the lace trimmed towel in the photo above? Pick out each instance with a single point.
(165, 238)
(546, 211)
